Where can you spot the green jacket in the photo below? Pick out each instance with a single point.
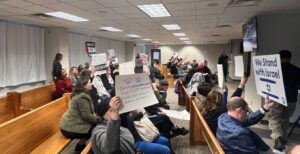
(80, 115)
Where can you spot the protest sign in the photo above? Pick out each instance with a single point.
(99, 59)
(111, 53)
(239, 66)
(220, 75)
(144, 58)
(126, 68)
(268, 77)
(135, 92)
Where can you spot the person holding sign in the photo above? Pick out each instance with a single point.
(223, 59)
(233, 132)
(279, 115)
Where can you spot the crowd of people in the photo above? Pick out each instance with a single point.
(93, 111)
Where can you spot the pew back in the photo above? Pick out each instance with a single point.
(6, 111)
(26, 132)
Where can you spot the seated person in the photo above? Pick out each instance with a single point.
(63, 85)
(203, 90)
(109, 137)
(233, 133)
(79, 120)
(155, 72)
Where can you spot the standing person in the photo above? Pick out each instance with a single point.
(280, 115)
(80, 119)
(223, 59)
(56, 67)
(63, 85)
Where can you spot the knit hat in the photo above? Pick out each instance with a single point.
(103, 107)
(163, 82)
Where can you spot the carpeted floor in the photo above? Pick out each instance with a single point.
(181, 144)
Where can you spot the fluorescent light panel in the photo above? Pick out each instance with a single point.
(111, 29)
(156, 42)
(183, 38)
(171, 27)
(179, 34)
(155, 10)
(133, 35)
(146, 39)
(66, 16)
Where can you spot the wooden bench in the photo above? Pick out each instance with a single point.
(37, 131)
(184, 98)
(87, 149)
(17, 103)
(200, 132)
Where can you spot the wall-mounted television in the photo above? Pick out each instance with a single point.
(250, 35)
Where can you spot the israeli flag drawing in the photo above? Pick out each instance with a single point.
(268, 77)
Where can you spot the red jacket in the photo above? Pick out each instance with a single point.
(63, 86)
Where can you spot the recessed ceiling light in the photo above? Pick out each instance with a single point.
(171, 27)
(66, 16)
(146, 39)
(112, 29)
(155, 10)
(183, 38)
(179, 34)
(133, 35)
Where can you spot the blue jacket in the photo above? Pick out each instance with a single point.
(235, 137)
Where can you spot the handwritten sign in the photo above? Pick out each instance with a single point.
(111, 53)
(135, 92)
(220, 75)
(126, 68)
(239, 66)
(99, 59)
(268, 77)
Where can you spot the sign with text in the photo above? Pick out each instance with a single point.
(144, 58)
(90, 48)
(126, 68)
(220, 75)
(111, 53)
(99, 59)
(268, 77)
(239, 66)
(135, 92)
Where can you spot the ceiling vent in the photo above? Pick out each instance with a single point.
(236, 3)
(223, 26)
(102, 30)
(41, 15)
(216, 35)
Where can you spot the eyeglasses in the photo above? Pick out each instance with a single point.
(247, 110)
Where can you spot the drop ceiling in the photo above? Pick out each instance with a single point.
(200, 20)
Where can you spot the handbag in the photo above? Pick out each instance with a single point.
(146, 129)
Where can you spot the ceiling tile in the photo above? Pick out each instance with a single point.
(212, 4)
(181, 6)
(113, 3)
(16, 3)
(183, 13)
(43, 1)
(128, 9)
(86, 4)
(176, 1)
(18, 11)
(236, 14)
(210, 11)
(38, 9)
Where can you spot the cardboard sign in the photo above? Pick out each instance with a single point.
(126, 68)
(99, 59)
(111, 53)
(239, 66)
(90, 48)
(135, 92)
(268, 77)
(220, 75)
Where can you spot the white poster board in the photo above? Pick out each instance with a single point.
(99, 59)
(111, 53)
(268, 77)
(144, 58)
(126, 68)
(239, 66)
(135, 92)
(220, 75)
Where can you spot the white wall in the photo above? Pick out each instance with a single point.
(236, 45)
(275, 32)
(198, 52)
(21, 87)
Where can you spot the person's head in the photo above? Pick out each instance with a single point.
(205, 63)
(103, 109)
(237, 108)
(84, 73)
(80, 68)
(285, 56)
(223, 53)
(295, 150)
(116, 66)
(64, 73)
(204, 89)
(194, 61)
(212, 101)
(73, 70)
(83, 85)
(162, 85)
(58, 57)
(87, 65)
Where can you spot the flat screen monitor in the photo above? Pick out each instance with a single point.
(250, 35)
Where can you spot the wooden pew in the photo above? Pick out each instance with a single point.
(87, 149)
(200, 132)
(17, 103)
(37, 131)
